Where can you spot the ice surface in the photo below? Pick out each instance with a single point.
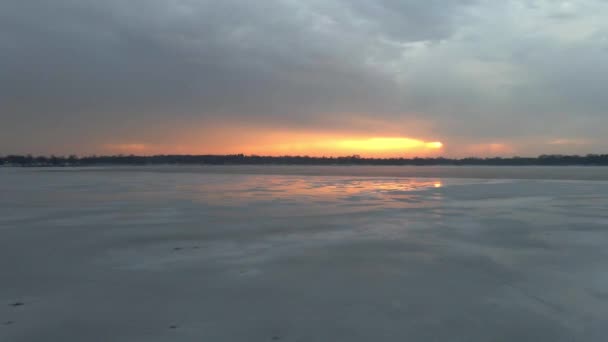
(231, 254)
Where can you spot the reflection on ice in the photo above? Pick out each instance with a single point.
(314, 189)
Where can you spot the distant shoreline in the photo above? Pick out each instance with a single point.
(240, 159)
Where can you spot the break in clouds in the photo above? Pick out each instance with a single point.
(484, 77)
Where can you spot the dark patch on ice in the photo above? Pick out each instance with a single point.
(8, 323)
(182, 248)
(600, 295)
(173, 327)
(276, 338)
(586, 227)
(16, 304)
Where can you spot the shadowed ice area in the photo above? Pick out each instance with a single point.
(139, 255)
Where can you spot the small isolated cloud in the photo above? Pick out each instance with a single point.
(570, 142)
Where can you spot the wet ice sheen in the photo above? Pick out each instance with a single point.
(135, 255)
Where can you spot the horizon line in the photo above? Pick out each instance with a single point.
(243, 155)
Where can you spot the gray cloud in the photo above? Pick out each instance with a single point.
(474, 71)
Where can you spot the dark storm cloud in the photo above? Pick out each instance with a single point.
(165, 55)
(469, 68)
(276, 57)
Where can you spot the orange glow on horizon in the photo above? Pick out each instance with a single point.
(280, 143)
(386, 144)
(332, 146)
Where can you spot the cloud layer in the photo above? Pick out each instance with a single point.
(486, 77)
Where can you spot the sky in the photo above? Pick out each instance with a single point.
(319, 77)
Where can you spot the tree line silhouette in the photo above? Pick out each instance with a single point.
(241, 159)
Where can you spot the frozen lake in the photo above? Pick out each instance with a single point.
(304, 254)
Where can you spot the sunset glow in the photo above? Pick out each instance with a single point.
(288, 143)
(387, 144)
(341, 146)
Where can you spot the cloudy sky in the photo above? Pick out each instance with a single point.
(511, 77)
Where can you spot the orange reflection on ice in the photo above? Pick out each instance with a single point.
(318, 192)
